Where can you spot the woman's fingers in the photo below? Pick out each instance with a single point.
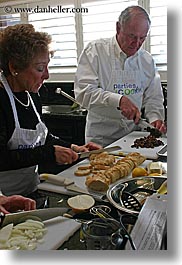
(65, 155)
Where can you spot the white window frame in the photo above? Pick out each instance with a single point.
(66, 74)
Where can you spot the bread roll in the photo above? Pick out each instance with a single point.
(81, 173)
(84, 167)
(113, 174)
(97, 182)
(100, 167)
(102, 159)
(129, 161)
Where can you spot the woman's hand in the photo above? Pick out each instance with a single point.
(65, 155)
(85, 148)
(16, 202)
(92, 146)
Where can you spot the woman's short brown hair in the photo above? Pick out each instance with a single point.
(19, 44)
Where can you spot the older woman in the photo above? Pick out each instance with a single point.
(24, 139)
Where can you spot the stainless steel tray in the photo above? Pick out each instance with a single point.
(114, 192)
(163, 152)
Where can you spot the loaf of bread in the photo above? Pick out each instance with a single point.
(100, 167)
(97, 182)
(137, 158)
(100, 181)
(102, 159)
(98, 162)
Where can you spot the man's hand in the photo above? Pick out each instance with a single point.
(160, 125)
(129, 110)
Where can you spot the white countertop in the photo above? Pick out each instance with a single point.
(125, 144)
(128, 140)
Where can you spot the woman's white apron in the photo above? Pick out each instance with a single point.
(25, 180)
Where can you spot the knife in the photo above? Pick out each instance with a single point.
(145, 126)
(106, 149)
(70, 185)
(67, 183)
(43, 214)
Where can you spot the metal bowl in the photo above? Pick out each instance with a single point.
(114, 192)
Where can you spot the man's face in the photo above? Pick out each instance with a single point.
(131, 36)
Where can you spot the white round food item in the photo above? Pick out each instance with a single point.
(81, 202)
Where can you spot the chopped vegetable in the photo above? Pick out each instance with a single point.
(23, 236)
(5, 233)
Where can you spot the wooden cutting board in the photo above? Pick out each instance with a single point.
(128, 140)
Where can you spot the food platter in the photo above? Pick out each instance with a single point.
(114, 192)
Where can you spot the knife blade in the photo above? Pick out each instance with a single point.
(145, 126)
(43, 214)
(106, 149)
(74, 187)
(67, 183)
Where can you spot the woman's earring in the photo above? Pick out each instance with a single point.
(14, 73)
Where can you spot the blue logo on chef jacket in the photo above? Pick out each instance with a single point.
(127, 89)
(29, 146)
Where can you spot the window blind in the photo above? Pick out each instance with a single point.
(71, 31)
(158, 32)
(100, 21)
(8, 20)
(62, 28)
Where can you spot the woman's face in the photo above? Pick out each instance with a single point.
(32, 78)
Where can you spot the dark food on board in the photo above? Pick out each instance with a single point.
(154, 132)
(149, 141)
